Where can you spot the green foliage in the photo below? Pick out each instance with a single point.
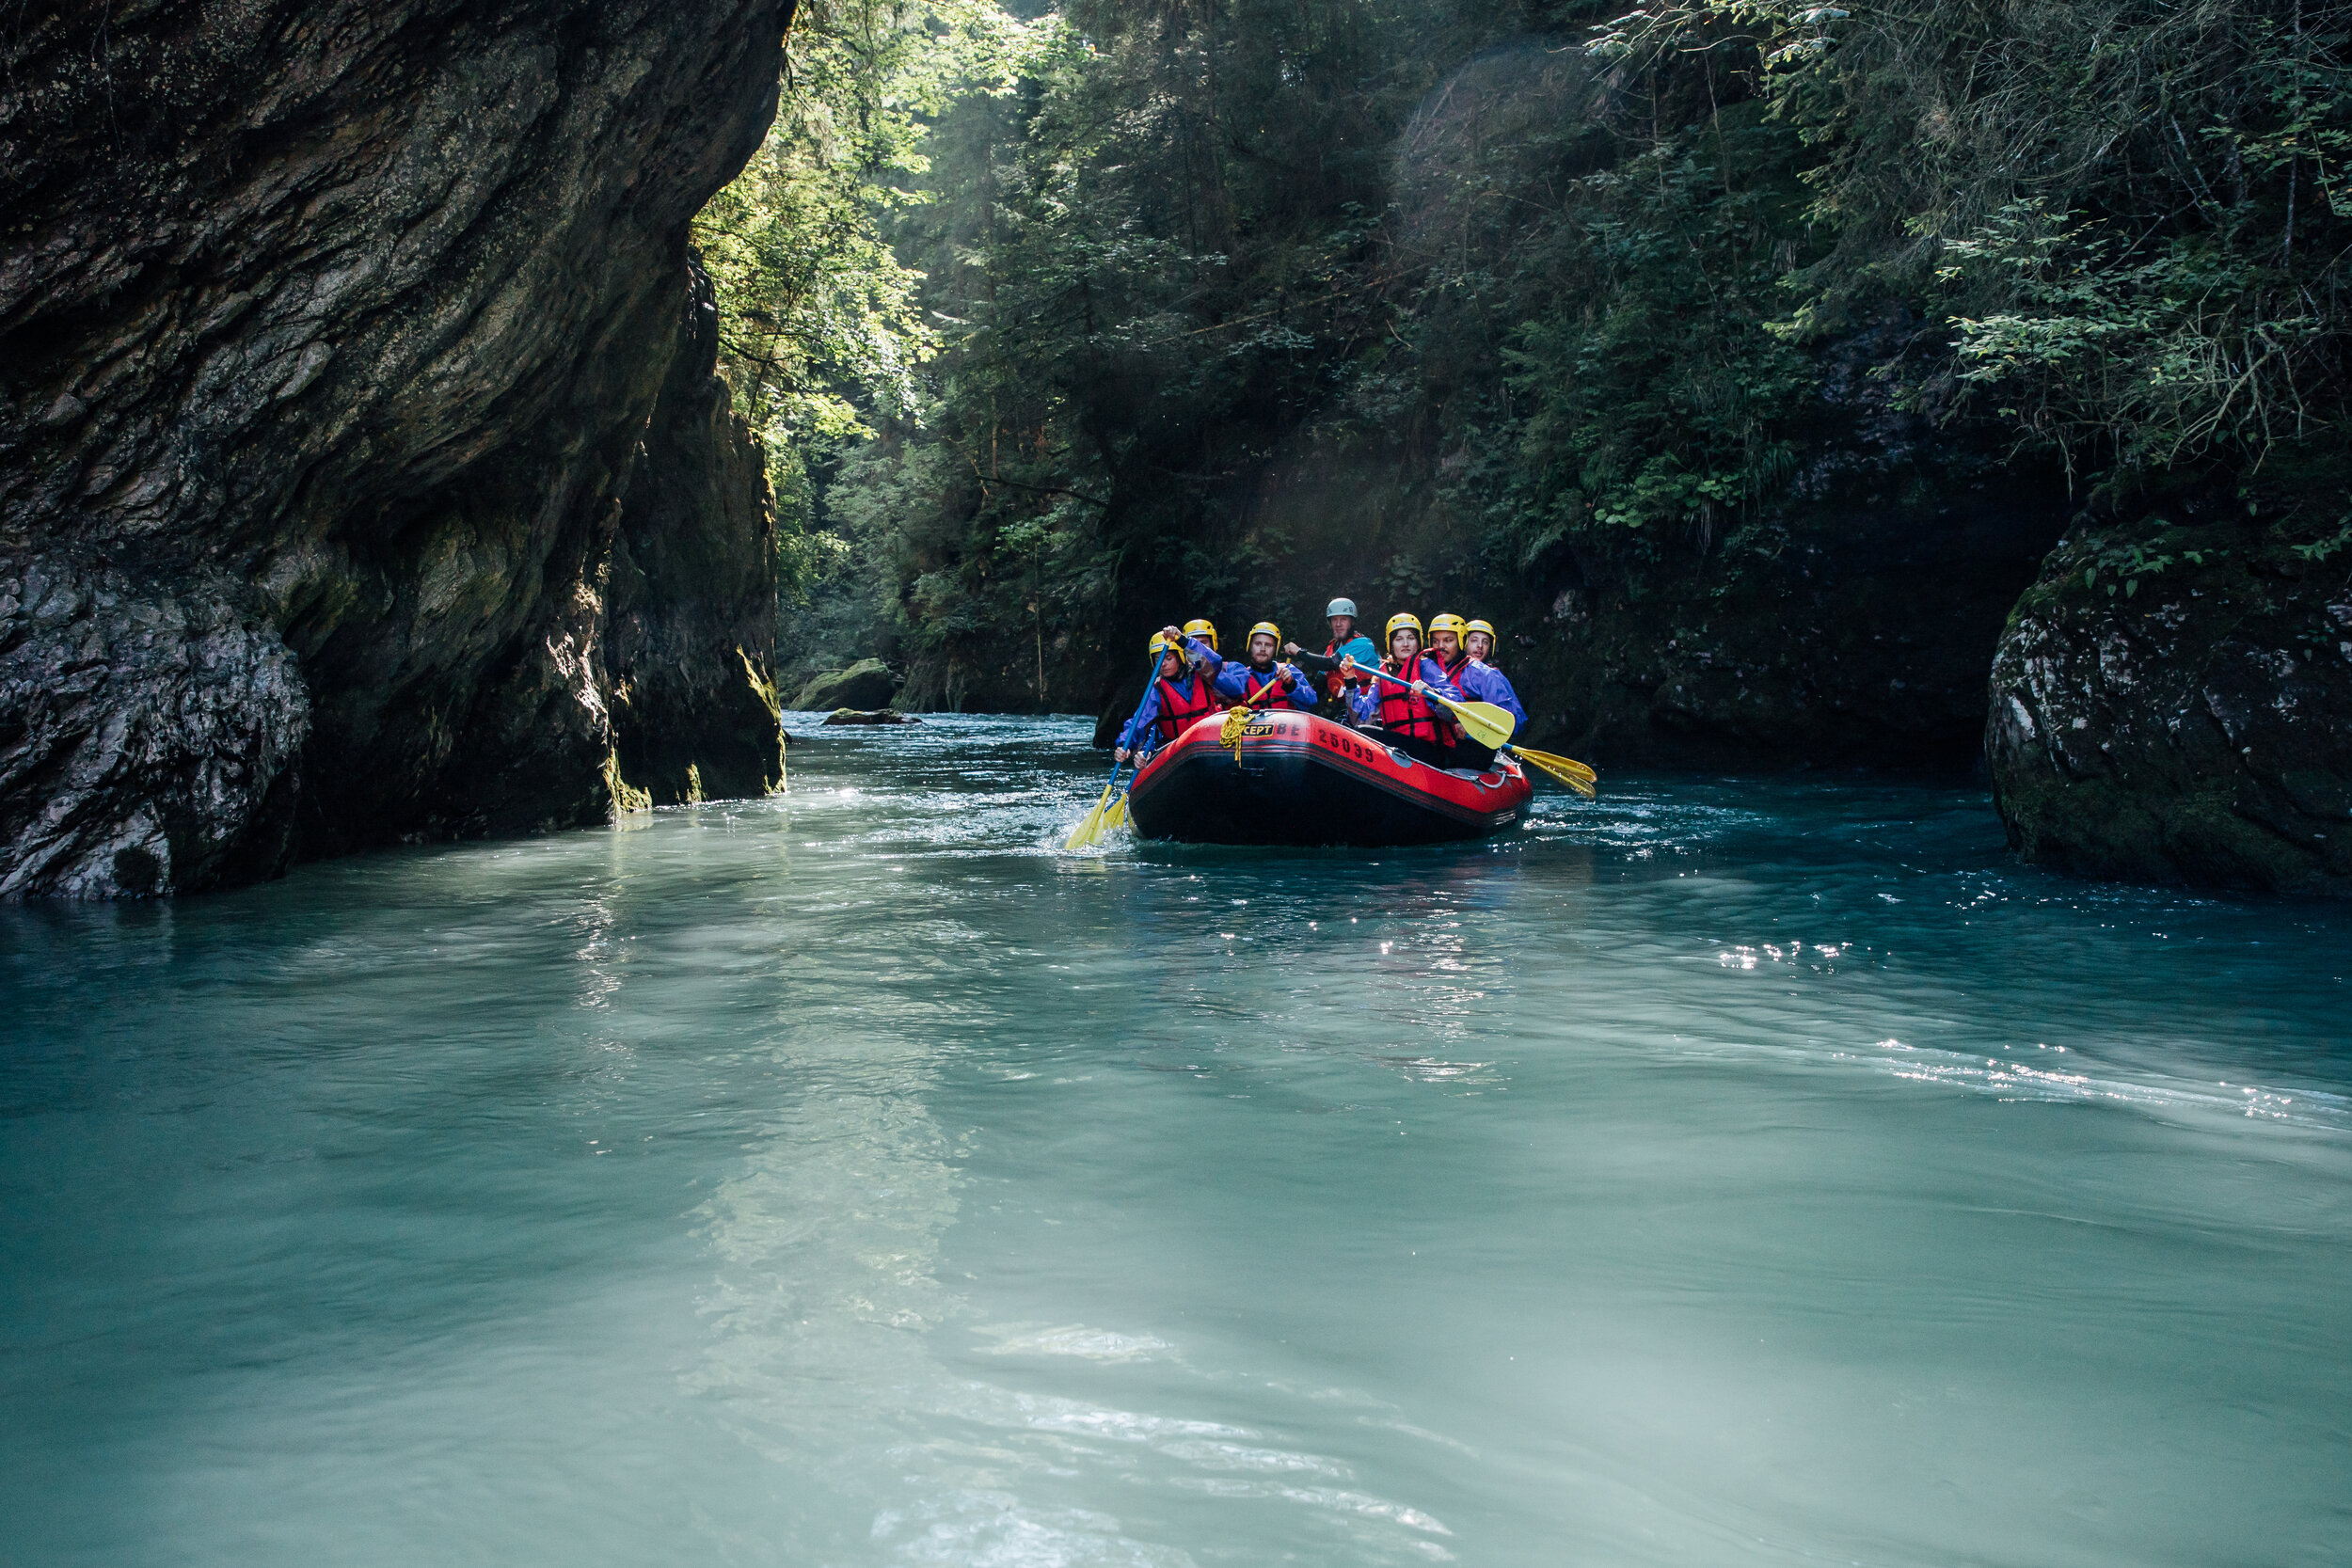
(2128, 220)
(1059, 328)
(1667, 405)
(821, 318)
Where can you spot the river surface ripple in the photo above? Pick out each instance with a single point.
(1734, 1172)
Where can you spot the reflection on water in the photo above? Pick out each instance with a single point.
(1729, 1172)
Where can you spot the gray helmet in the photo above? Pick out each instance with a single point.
(1340, 606)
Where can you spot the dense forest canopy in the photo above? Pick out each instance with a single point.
(1062, 323)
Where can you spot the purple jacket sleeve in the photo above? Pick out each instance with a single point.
(1487, 683)
(1367, 706)
(1145, 716)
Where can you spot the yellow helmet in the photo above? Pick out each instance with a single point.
(1446, 623)
(1202, 630)
(1486, 627)
(1269, 628)
(1399, 621)
(1159, 645)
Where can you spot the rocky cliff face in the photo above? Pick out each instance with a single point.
(2172, 702)
(330, 338)
(691, 599)
(1861, 641)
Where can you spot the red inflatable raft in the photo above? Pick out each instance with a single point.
(1288, 777)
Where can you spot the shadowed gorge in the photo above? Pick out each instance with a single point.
(1773, 999)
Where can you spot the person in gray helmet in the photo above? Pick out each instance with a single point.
(1346, 643)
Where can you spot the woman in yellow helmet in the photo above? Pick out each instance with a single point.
(1242, 683)
(1413, 724)
(1180, 694)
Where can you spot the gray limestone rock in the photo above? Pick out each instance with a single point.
(341, 329)
(2173, 704)
(148, 733)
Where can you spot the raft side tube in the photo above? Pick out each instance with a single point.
(1302, 779)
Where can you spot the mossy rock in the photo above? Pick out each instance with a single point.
(878, 716)
(864, 686)
(2172, 703)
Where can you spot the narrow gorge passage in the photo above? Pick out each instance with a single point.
(700, 860)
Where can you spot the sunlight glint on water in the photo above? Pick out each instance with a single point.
(1728, 1173)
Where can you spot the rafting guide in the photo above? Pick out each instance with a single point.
(1345, 747)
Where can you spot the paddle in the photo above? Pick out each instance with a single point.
(1566, 769)
(1107, 815)
(1238, 714)
(1093, 825)
(1485, 722)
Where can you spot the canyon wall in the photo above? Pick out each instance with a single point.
(2172, 702)
(349, 354)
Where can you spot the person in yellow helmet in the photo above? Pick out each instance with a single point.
(1445, 641)
(1181, 693)
(1412, 723)
(1463, 646)
(1242, 683)
(1202, 628)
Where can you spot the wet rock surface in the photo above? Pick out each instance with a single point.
(878, 716)
(114, 689)
(2174, 703)
(691, 607)
(1848, 624)
(339, 330)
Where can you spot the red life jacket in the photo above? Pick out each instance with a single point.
(1253, 683)
(1180, 706)
(1336, 683)
(1406, 712)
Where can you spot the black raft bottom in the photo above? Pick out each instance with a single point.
(1207, 797)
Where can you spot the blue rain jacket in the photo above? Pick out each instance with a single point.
(1205, 663)
(1232, 684)
(1359, 648)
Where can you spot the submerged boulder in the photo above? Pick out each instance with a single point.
(879, 716)
(2173, 702)
(867, 684)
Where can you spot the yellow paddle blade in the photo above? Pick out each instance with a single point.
(1485, 722)
(1089, 826)
(1116, 816)
(1566, 769)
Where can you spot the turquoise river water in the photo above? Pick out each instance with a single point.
(1730, 1172)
